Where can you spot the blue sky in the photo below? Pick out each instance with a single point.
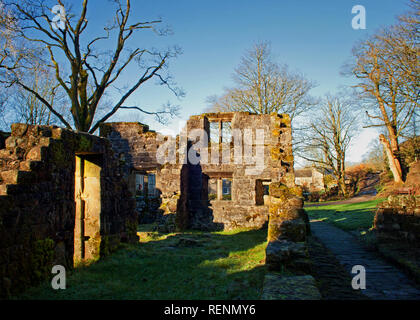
(313, 37)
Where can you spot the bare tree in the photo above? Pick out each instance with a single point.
(263, 87)
(376, 156)
(82, 70)
(25, 107)
(13, 48)
(329, 136)
(387, 68)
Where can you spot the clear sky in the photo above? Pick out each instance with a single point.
(313, 37)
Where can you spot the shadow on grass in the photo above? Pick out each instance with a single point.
(349, 220)
(190, 265)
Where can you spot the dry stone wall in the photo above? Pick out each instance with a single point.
(39, 201)
(398, 217)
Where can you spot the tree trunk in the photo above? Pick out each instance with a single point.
(342, 185)
(394, 162)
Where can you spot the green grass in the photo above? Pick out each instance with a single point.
(349, 217)
(192, 265)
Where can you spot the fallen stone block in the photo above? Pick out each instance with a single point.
(278, 287)
(287, 254)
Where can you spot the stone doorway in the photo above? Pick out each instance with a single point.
(87, 196)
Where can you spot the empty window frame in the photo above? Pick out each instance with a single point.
(212, 189)
(220, 132)
(219, 189)
(226, 132)
(139, 184)
(262, 196)
(151, 185)
(214, 133)
(226, 189)
(146, 185)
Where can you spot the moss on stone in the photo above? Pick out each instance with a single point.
(279, 190)
(131, 228)
(279, 287)
(296, 190)
(104, 246)
(41, 259)
(58, 153)
(105, 129)
(85, 144)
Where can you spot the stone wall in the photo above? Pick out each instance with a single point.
(62, 201)
(398, 217)
(136, 146)
(288, 228)
(183, 187)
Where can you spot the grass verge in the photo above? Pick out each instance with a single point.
(349, 217)
(191, 265)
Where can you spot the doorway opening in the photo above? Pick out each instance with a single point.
(87, 194)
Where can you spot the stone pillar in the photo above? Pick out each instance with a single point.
(219, 189)
(287, 230)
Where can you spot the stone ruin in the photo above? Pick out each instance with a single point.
(62, 201)
(206, 196)
(222, 195)
(398, 218)
(69, 198)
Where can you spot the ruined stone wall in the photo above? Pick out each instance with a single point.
(243, 210)
(183, 186)
(38, 203)
(288, 225)
(136, 146)
(399, 216)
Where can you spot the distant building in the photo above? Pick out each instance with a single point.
(311, 178)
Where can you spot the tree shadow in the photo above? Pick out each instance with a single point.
(207, 265)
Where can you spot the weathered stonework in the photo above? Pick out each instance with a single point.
(183, 187)
(62, 201)
(3, 137)
(288, 228)
(399, 216)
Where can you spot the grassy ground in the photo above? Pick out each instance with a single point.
(349, 217)
(193, 265)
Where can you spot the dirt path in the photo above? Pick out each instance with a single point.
(383, 281)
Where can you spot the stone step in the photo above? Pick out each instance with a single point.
(29, 165)
(37, 153)
(3, 189)
(5, 153)
(17, 176)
